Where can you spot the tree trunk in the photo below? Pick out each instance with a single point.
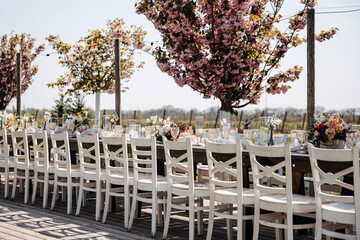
(97, 107)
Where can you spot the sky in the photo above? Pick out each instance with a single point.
(336, 61)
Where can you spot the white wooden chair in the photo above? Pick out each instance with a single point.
(66, 174)
(91, 174)
(228, 192)
(23, 165)
(42, 165)
(146, 179)
(278, 199)
(117, 174)
(181, 185)
(6, 162)
(339, 211)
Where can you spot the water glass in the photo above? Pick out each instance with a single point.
(248, 134)
(134, 130)
(34, 125)
(191, 130)
(96, 128)
(233, 134)
(118, 129)
(226, 132)
(256, 133)
(301, 136)
(213, 134)
(199, 123)
(149, 130)
(352, 139)
(264, 134)
(174, 131)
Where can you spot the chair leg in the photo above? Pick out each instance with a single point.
(26, 186)
(14, 185)
(167, 215)
(211, 218)
(98, 200)
(62, 194)
(107, 200)
(81, 193)
(256, 220)
(6, 192)
(34, 189)
(200, 216)
(191, 218)
(240, 222)
(133, 207)
(153, 214)
(289, 231)
(126, 207)
(69, 198)
(46, 191)
(229, 225)
(54, 197)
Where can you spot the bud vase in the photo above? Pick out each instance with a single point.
(271, 141)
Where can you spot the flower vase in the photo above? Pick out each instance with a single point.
(271, 141)
(333, 144)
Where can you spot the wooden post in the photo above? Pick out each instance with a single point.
(303, 121)
(262, 113)
(310, 66)
(217, 118)
(18, 85)
(164, 114)
(135, 114)
(191, 115)
(283, 124)
(117, 81)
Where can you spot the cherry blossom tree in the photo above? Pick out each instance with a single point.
(91, 60)
(10, 45)
(227, 49)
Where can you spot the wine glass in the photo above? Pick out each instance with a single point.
(226, 132)
(70, 126)
(199, 123)
(52, 126)
(174, 131)
(352, 139)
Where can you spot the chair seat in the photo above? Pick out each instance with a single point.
(340, 212)
(301, 203)
(230, 195)
(201, 189)
(146, 184)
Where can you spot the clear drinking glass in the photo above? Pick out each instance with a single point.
(264, 134)
(213, 134)
(174, 131)
(301, 136)
(248, 134)
(191, 130)
(256, 135)
(199, 123)
(118, 129)
(352, 139)
(34, 125)
(226, 132)
(149, 130)
(134, 130)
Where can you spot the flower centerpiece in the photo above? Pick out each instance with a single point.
(272, 123)
(162, 127)
(7, 121)
(329, 130)
(81, 121)
(110, 121)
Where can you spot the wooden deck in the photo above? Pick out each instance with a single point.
(25, 221)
